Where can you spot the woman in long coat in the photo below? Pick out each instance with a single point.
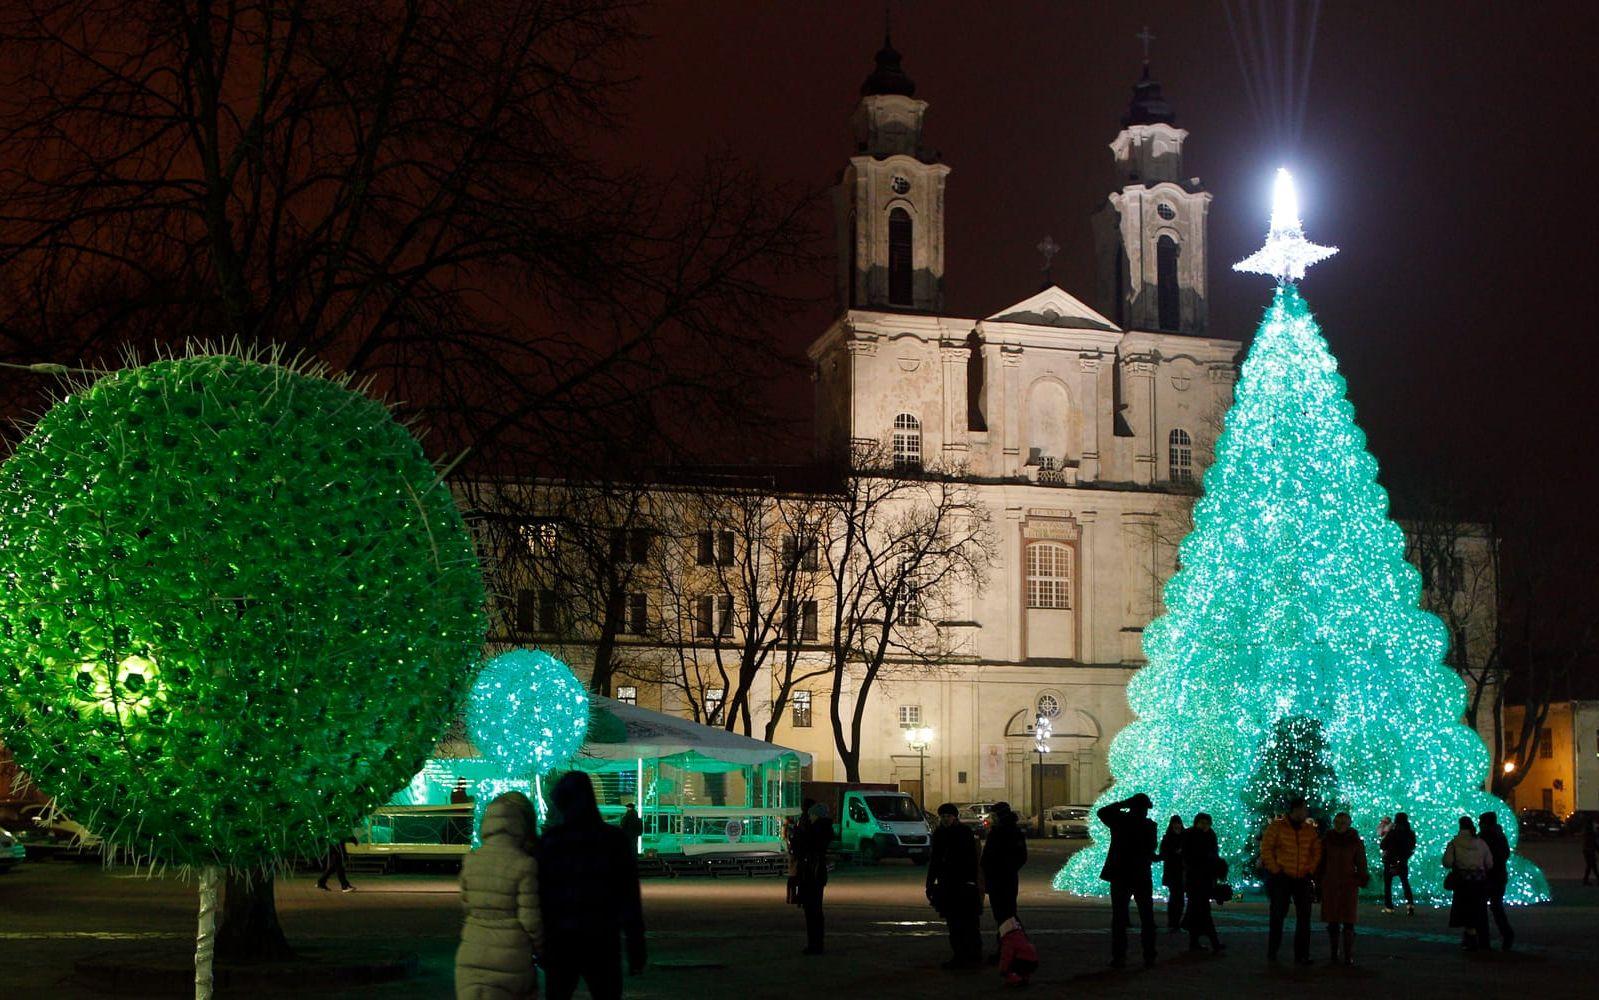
(1201, 857)
(1171, 872)
(500, 891)
(1341, 876)
(1468, 859)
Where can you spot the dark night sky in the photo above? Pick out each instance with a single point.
(1444, 150)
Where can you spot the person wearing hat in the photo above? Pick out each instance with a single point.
(1132, 851)
(1004, 854)
(952, 887)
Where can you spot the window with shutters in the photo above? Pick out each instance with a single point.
(1049, 576)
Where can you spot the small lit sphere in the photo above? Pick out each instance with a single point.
(237, 607)
(527, 712)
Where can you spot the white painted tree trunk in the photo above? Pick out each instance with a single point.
(205, 942)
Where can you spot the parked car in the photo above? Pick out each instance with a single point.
(1066, 821)
(1539, 823)
(1575, 820)
(975, 815)
(11, 850)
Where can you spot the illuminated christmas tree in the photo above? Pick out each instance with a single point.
(1292, 650)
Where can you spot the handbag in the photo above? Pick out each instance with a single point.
(1452, 880)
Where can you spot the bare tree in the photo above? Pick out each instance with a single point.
(900, 546)
(402, 188)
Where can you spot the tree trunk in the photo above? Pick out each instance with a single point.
(250, 931)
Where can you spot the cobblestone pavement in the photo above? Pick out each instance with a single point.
(736, 938)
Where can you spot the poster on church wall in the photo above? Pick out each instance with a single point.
(992, 772)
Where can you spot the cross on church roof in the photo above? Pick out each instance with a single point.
(1145, 37)
(1049, 249)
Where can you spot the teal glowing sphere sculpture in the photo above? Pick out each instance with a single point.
(527, 712)
(237, 607)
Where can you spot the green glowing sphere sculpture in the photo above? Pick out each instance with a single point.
(1294, 602)
(237, 606)
(527, 712)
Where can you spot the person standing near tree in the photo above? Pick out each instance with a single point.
(1004, 854)
(632, 826)
(1493, 835)
(504, 931)
(588, 896)
(1468, 860)
(1127, 861)
(1290, 850)
(1397, 846)
(1201, 868)
(1171, 873)
(952, 887)
(1341, 875)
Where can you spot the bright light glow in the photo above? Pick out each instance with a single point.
(919, 738)
(1293, 656)
(527, 712)
(1287, 253)
(1510, 767)
(1043, 729)
(237, 609)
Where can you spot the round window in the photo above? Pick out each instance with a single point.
(900, 185)
(1165, 211)
(1048, 706)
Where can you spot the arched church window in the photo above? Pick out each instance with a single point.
(907, 442)
(1049, 576)
(1180, 452)
(1167, 291)
(899, 258)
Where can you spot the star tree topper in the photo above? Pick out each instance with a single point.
(1287, 253)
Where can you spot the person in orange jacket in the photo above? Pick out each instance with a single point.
(1290, 850)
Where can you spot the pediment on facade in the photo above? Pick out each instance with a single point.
(1054, 307)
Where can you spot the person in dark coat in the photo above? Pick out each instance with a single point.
(1397, 846)
(1132, 851)
(632, 826)
(1493, 835)
(1590, 848)
(333, 866)
(952, 887)
(588, 896)
(1171, 872)
(810, 841)
(1201, 860)
(1340, 876)
(1004, 854)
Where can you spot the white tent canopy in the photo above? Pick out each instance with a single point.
(680, 742)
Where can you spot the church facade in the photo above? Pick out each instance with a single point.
(1083, 433)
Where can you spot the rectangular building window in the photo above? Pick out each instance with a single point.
(715, 548)
(541, 538)
(1049, 576)
(713, 616)
(910, 716)
(714, 697)
(549, 612)
(527, 610)
(800, 552)
(630, 545)
(802, 709)
(627, 695)
(638, 614)
(1546, 743)
(800, 622)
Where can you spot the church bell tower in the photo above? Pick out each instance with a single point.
(1149, 235)
(889, 203)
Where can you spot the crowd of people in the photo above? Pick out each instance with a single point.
(563, 900)
(1299, 862)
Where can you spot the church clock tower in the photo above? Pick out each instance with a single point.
(1150, 235)
(890, 201)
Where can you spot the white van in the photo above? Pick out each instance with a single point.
(883, 824)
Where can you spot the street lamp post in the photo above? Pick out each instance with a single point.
(918, 739)
(1042, 731)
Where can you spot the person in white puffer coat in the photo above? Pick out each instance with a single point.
(500, 891)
